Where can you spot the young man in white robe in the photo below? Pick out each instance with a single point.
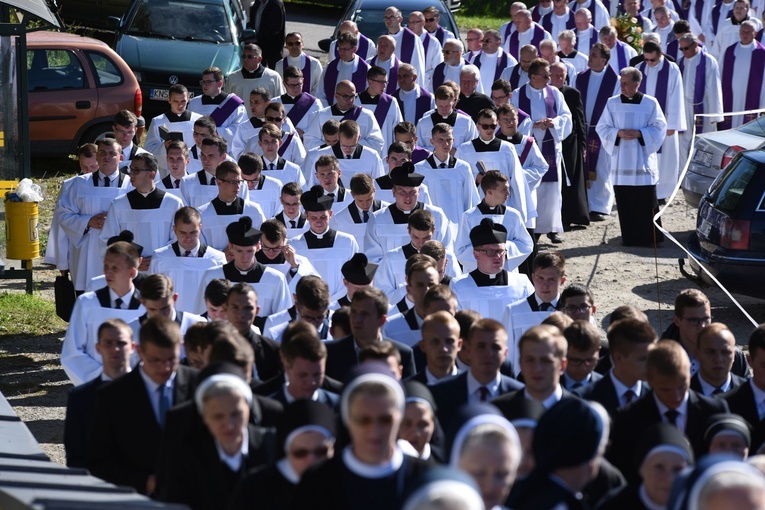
(353, 219)
(246, 132)
(309, 66)
(327, 176)
(358, 273)
(344, 109)
(200, 187)
(311, 297)
(632, 128)
(299, 106)
(383, 106)
(269, 144)
(398, 154)
(489, 288)
(263, 189)
(147, 211)
(552, 123)
(226, 109)
(253, 74)
(276, 252)
(291, 146)
(463, 126)
(405, 328)
(291, 214)
(269, 283)
(326, 248)
(124, 126)
(176, 162)
(227, 208)
(663, 81)
(83, 211)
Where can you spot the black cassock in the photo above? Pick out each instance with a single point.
(576, 210)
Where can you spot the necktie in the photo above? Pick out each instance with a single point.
(331, 195)
(118, 303)
(164, 403)
(717, 391)
(629, 396)
(106, 182)
(365, 216)
(187, 253)
(271, 166)
(176, 182)
(546, 306)
(293, 224)
(672, 416)
(442, 165)
(576, 385)
(484, 393)
(213, 181)
(347, 156)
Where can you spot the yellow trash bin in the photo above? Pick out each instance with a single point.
(21, 230)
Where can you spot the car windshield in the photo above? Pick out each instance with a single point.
(371, 23)
(727, 190)
(756, 127)
(189, 21)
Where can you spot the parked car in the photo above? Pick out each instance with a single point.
(91, 13)
(712, 151)
(76, 85)
(171, 41)
(730, 229)
(368, 15)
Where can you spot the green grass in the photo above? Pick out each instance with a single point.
(486, 22)
(25, 315)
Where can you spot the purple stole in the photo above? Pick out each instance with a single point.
(301, 107)
(359, 77)
(547, 21)
(673, 47)
(285, 144)
(621, 55)
(407, 45)
(593, 40)
(536, 14)
(439, 75)
(225, 109)
(515, 77)
(716, 16)
(753, 87)
(526, 149)
(306, 72)
(522, 116)
(421, 104)
(536, 38)
(439, 34)
(425, 44)
(392, 74)
(548, 143)
(362, 50)
(681, 10)
(383, 106)
(660, 92)
(699, 89)
(698, 9)
(607, 85)
(501, 64)
(352, 114)
(759, 35)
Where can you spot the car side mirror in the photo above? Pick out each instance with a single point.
(113, 22)
(248, 34)
(324, 44)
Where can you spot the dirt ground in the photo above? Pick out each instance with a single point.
(32, 380)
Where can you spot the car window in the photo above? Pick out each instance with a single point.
(235, 10)
(727, 190)
(371, 23)
(52, 69)
(181, 20)
(106, 72)
(756, 127)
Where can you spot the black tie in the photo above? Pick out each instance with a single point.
(629, 396)
(576, 385)
(442, 165)
(365, 216)
(118, 303)
(106, 182)
(212, 181)
(187, 253)
(271, 167)
(717, 391)
(331, 195)
(177, 181)
(347, 156)
(672, 416)
(484, 393)
(546, 306)
(292, 223)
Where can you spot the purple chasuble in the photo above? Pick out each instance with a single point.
(753, 87)
(607, 85)
(547, 21)
(383, 106)
(548, 143)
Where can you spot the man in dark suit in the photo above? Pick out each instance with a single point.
(242, 308)
(542, 362)
(715, 353)
(115, 346)
(130, 412)
(748, 400)
(576, 209)
(583, 352)
(268, 18)
(369, 310)
(304, 357)
(629, 340)
(670, 401)
(486, 347)
(440, 344)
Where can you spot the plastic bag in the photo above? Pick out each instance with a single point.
(29, 191)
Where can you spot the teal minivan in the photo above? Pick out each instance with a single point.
(171, 41)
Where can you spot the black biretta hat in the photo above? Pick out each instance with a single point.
(488, 232)
(405, 175)
(358, 270)
(241, 232)
(315, 200)
(126, 236)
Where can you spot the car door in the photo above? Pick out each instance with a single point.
(61, 94)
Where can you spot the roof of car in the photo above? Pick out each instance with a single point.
(48, 37)
(405, 6)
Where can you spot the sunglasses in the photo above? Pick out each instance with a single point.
(302, 453)
(488, 126)
(430, 20)
(274, 119)
(294, 43)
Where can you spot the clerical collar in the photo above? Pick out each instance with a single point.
(490, 276)
(366, 98)
(486, 142)
(257, 73)
(364, 470)
(320, 236)
(515, 139)
(407, 92)
(636, 99)
(245, 271)
(285, 468)
(144, 195)
(734, 21)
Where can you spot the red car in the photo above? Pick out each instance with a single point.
(76, 85)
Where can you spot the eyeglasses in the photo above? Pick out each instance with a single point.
(345, 49)
(416, 21)
(302, 453)
(499, 98)
(431, 20)
(349, 147)
(578, 362)
(347, 97)
(270, 249)
(698, 321)
(294, 43)
(298, 84)
(208, 82)
(390, 18)
(577, 309)
(493, 253)
(381, 82)
(136, 171)
(488, 126)
(235, 182)
(274, 119)
(449, 52)
(651, 59)
(686, 48)
(247, 57)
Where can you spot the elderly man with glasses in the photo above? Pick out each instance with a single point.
(253, 74)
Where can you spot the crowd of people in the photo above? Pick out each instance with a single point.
(335, 299)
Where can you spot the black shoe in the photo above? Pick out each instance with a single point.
(596, 216)
(555, 237)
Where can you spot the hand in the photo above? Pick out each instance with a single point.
(299, 132)
(228, 254)
(151, 485)
(97, 220)
(144, 265)
(670, 132)
(289, 255)
(478, 179)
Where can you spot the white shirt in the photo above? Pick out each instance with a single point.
(708, 389)
(621, 389)
(551, 400)
(682, 416)
(125, 299)
(759, 398)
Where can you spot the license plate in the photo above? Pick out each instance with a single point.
(703, 158)
(161, 94)
(705, 228)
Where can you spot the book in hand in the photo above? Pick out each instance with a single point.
(170, 136)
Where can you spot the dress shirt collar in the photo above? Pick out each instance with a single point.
(474, 385)
(433, 379)
(551, 400)
(234, 462)
(707, 388)
(622, 388)
(125, 299)
(682, 417)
